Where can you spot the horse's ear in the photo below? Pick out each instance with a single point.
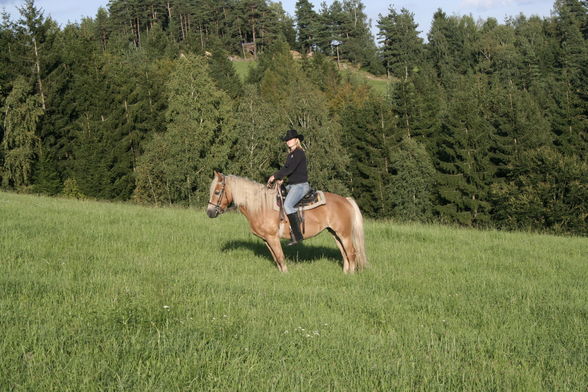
(218, 175)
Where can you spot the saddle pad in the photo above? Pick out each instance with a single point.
(320, 200)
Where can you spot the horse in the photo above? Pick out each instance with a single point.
(339, 215)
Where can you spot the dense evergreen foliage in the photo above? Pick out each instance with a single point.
(484, 124)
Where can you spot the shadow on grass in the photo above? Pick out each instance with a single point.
(301, 253)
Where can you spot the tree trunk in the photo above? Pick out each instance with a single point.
(254, 39)
(138, 32)
(242, 42)
(38, 70)
(182, 27)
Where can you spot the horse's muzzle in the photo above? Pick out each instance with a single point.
(212, 212)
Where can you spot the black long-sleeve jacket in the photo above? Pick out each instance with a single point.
(295, 168)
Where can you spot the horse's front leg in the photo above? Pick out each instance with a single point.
(275, 248)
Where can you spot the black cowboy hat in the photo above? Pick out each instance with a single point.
(292, 134)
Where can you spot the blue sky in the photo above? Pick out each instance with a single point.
(66, 10)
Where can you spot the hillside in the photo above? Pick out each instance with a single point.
(378, 83)
(104, 296)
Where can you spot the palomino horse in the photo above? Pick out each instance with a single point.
(340, 215)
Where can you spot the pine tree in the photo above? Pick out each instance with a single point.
(21, 114)
(412, 179)
(571, 95)
(368, 133)
(46, 178)
(537, 58)
(277, 71)
(35, 34)
(37, 52)
(223, 72)
(158, 45)
(498, 54)
(519, 126)
(92, 158)
(102, 30)
(323, 33)
(323, 72)
(462, 156)
(280, 25)
(451, 45)
(358, 44)
(9, 65)
(100, 156)
(75, 49)
(429, 105)
(402, 47)
(306, 21)
(138, 100)
(417, 103)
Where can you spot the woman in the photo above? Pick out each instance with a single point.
(295, 169)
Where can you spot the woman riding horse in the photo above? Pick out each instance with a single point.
(295, 169)
(339, 215)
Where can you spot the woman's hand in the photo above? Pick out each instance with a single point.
(270, 181)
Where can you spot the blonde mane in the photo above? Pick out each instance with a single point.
(250, 194)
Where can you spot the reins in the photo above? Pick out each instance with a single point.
(282, 211)
(278, 186)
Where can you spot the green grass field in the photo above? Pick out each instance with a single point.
(103, 296)
(361, 77)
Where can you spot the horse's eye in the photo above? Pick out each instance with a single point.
(217, 192)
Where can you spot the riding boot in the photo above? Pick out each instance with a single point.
(294, 229)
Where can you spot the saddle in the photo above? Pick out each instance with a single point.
(312, 199)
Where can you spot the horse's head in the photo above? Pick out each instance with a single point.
(219, 197)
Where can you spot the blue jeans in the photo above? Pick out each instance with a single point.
(295, 193)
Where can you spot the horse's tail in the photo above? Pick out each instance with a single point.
(357, 236)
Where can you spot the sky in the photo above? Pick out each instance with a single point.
(64, 11)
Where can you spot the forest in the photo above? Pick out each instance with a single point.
(483, 124)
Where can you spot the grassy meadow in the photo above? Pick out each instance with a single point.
(105, 296)
(242, 67)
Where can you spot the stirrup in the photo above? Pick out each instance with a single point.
(293, 241)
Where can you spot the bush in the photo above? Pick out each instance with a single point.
(71, 190)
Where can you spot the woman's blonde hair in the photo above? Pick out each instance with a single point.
(299, 144)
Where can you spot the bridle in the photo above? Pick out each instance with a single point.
(217, 206)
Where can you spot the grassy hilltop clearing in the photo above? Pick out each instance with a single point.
(347, 71)
(106, 296)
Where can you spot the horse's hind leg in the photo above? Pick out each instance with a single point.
(350, 251)
(275, 248)
(347, 265)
